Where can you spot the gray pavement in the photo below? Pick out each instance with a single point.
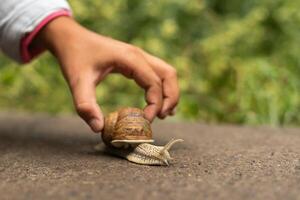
(44, 157)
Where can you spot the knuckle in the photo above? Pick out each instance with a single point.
(73, 82)
(133, 50)
(157, 82)
(76, 79)
(129, 55)
(83, 108)
(172, 72)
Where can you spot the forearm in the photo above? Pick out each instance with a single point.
(21, 20)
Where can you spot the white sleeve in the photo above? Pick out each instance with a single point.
(19, 17)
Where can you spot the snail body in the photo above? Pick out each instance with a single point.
(147, 154)
(127, 133)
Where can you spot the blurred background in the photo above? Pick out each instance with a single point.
(238, 61)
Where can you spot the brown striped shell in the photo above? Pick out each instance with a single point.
(127, 126)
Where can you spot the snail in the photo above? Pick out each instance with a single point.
(126, 127)
(127, 133)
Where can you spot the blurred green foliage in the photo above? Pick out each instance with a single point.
(238, 61)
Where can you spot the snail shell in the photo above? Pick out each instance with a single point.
(126, 127)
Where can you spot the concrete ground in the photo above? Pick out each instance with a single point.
(53, 158)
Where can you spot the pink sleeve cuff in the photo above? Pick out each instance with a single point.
(27, 53)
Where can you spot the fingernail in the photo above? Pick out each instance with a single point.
(96, 125)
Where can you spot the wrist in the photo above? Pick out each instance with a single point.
(57, 34)
(30, 47)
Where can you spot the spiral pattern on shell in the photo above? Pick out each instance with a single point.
(126, 126)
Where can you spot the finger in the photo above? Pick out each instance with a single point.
(154, 102)
(170, 83)
(137, 68)
(84, 97)
(170, 95)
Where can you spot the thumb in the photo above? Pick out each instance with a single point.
(84, 96)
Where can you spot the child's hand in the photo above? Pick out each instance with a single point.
(86, 58)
